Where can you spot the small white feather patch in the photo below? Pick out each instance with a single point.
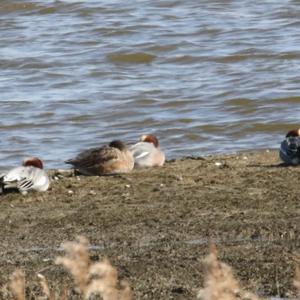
(143, 154)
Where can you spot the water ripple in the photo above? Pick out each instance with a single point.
(206, 77)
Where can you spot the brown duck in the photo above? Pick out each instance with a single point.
(107, 160)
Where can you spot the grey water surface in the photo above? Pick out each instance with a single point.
(205, 76)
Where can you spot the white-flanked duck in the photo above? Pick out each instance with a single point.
(290, 148)
(147, 152)
(114, 158)
(29, 176)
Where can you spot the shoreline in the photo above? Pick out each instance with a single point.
(155, 224)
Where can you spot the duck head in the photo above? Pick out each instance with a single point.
(150, 138)
(293, 133)
(118, 144)
(33, 161)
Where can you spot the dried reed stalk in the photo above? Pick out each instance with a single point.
(219, 281)
(77, 262)
(17, 285)
(45, 286)
(297, 280)
(92, 278)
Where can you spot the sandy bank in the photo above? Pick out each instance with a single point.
(155, 224)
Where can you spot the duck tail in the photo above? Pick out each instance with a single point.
(70, 161)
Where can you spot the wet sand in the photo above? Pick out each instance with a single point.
(155, 224)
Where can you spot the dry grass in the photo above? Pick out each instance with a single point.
(297, 280)
(93, 278)
(219, 281)
(45, 288)
(77, 262)
(100, 278)
(17, 285)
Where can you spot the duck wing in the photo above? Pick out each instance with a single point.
(36, 179)
(12, 178)
(290, 150)
(14, 175)
(25, 184)
(141, 150)
(94, 157)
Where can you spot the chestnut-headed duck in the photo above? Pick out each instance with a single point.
(290, 148)
(107, 160)
(147, 153)
(293, 133)
(29, 176)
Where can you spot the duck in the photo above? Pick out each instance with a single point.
(111, 159)
(290, 148)
(31, 176)
(147, 152)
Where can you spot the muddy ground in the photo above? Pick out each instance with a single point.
(155, 224)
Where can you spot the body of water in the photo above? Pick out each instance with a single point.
(204, 76)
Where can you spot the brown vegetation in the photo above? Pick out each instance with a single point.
(219, 281)
(89, 278)
(93, 278)
(100, 278)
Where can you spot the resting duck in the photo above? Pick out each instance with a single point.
(290, 148)
(29, 176)
(147, 153)
(107, 160)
